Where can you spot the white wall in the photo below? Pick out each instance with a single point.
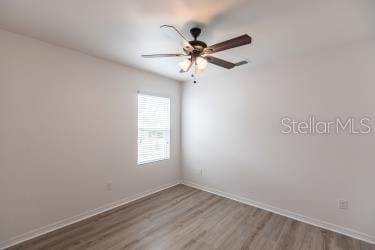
(68, 126)
(231, 130)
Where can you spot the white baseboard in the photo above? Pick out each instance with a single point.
(315, 222)
(68, 221)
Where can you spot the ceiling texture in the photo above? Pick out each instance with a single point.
(121, 31)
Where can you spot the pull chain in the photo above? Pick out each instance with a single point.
(194, 79)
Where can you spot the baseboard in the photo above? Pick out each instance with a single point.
(315, 222)
(68, 221)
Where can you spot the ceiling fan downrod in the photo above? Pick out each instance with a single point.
(195, 32)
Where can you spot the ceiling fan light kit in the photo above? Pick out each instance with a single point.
(201, 62)
(198, 52)
(185, 65)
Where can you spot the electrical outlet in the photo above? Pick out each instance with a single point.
(109, 186)
(343, 204)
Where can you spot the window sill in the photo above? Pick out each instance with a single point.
(152, 161)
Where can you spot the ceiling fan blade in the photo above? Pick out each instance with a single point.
(220, 62)
(163, 55)
(229, 44)
(241, 63)
(186, 44)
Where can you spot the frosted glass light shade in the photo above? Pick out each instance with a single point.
(184, 65)
(201, 62)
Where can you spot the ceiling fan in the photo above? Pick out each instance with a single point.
(199, 55)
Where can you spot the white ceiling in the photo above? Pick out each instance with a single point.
(123, 30)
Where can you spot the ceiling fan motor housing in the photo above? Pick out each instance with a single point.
(199, 46)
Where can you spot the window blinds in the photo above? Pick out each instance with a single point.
(153, 128)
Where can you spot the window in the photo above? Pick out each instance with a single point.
(153, 128)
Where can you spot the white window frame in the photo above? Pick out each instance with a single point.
(139, 163)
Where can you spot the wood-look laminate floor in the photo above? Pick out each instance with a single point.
(182, 217)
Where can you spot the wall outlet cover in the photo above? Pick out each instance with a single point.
(343, 204)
